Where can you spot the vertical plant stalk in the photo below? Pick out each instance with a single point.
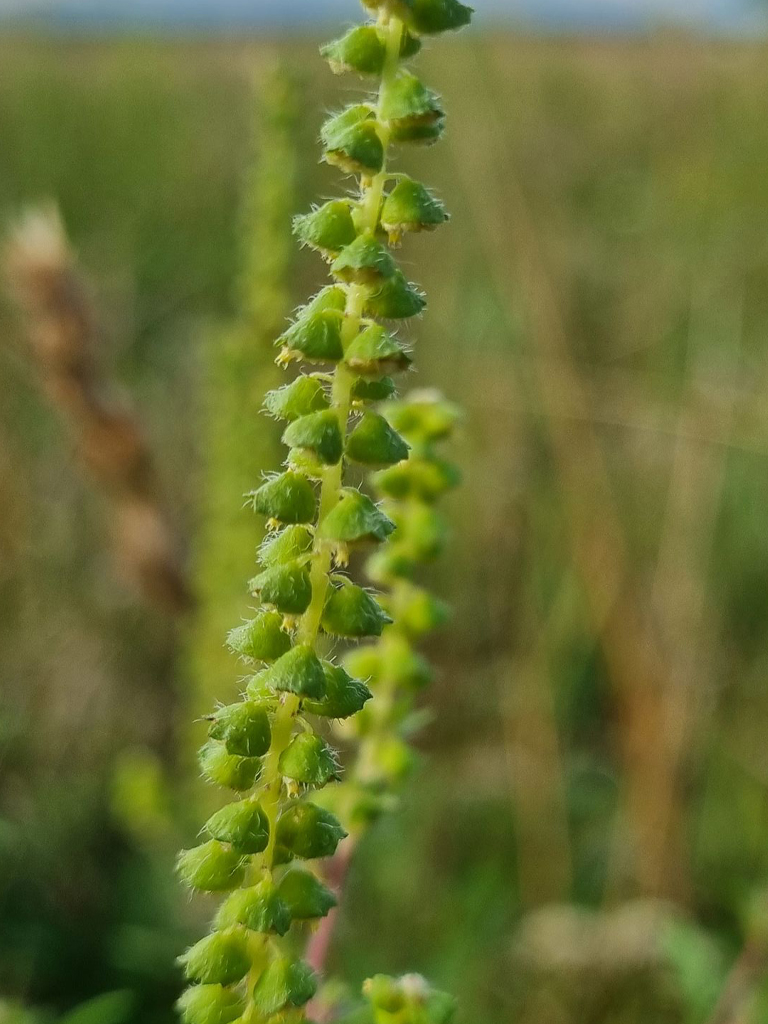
(239, 368)
(62, 326)
(266, 747)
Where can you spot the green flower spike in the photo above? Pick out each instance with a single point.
(265, 747)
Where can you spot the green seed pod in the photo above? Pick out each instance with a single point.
(419, 612)
(373, 390)
(351, 611)
(218, 959)
(320, 433)
(425, 133)
(305, 895)
(355, 520)
(243, 824)
(262, 638)
(409, 103)
(425, 479)
(366, 261)
(411, 207)
(396, 300)
(374, 352)
(228, 770)
(430, 17)
(423, 417)
(374, 443)
(286, 546)
(287, 498)
(352, 141)
(314, 337)
(303, 396)
(306, 463)
(210, 867)
(310, 760)
(209, 1004)
(299, 671)
(243, 727)
(283, 983)
(332, 298)
(344, 696)
(307, 831)
(286, 586)
(363, 50)
(260, 908)
(327, 228)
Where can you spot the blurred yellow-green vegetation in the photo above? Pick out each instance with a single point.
(587, 838)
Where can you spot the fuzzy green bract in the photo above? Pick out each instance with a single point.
(289, 801)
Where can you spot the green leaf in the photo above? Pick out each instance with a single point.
(366, 261)
(283, 983)
(285, 586)
(243, 824)
(109, 1008)
(320, 432)
(327, 228)
(308, 831)
(299, 398)
(351, 611)
(344, 696)
(209, 1004)
(243, 728)
(305, 895)
(355, 519)
(374, 443)
(288, 498)
(286, 546)
(309, 759)
(210, 867)
(374, 352)
(228, 770)
(396, 300)
(299, 671)
(261, 638)
(315, 337)
(260, 908)
(218, 959)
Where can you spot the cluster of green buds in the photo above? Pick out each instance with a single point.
(392, 666)
(267, 747)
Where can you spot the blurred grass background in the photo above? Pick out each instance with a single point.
(599, 305)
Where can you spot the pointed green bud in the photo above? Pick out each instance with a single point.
(373, 390)
(305, 895)
(411, 207)
(260, 908)
(374, 352)
(332, 298)
(408, 102)
(243, 728)
(283, 983)
(243, 824)
(319, 432)
(228, 770)
(306, 463)
(307, 831)
(261, 638)
(315, 337)
(344, 696)
(286, 586)
(363, 50)
(287, 498)
(218, 959)
(425, 479)
(309, 759)
(210, 867)
(365, 261)
(374, 443)
(423, 416)
(286, 546)
(209, 1004)
(352, 141)
(355, 519)
(429, 17)
(299, 671)
(327, 228)
(351, 611)
(396, 300)
(303, 396)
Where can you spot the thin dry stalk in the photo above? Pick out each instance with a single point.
(62, 329)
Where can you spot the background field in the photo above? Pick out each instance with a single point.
(600, 307)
